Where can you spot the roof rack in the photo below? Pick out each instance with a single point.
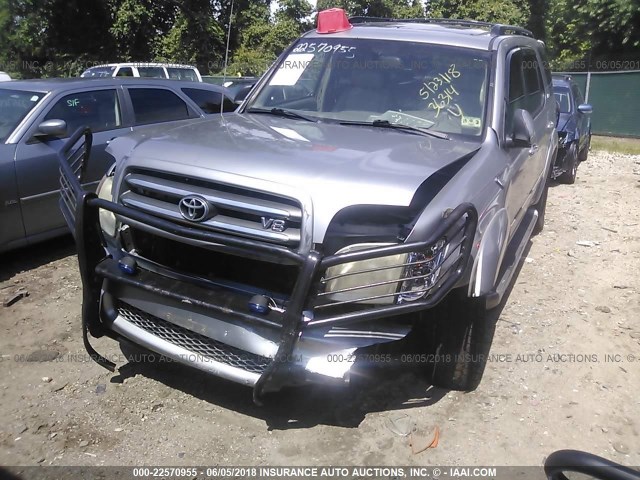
(495, 29)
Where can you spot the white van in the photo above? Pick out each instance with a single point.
(4, 77)
(147, 70)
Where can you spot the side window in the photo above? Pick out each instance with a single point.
(209, 101)
(151, 72)
(533, 82)
(152, 105)
(125, 72)
(187, 74)
(545, 68)
(526, 88)
(98, 110)
(516, 80)
(516, 98)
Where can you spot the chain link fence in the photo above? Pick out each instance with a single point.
(615, 97)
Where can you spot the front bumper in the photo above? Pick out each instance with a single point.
(208, 326)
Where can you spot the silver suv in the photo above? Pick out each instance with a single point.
(378, 168)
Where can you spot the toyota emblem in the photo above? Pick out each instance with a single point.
(194, 208)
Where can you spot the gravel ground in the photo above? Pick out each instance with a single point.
(564, 371)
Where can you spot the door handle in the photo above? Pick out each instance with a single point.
(533, 149)
(551, 125)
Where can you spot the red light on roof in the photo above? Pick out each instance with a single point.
(333, 20)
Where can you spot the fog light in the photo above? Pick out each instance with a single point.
(128, 265)
(259, 304)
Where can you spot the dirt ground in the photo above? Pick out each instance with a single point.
(564, 371)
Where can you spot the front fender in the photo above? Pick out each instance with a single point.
(489, 256)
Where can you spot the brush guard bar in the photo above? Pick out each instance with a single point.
(81, 207)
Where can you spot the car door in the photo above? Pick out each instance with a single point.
(582, 120)
(525, 91)
(36, 162)
(12, 230)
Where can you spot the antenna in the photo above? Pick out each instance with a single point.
(226, 57)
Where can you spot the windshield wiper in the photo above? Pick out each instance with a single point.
(398, 126)
(281, 112)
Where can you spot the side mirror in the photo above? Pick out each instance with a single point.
(52, 128)
(523, 131)
(585, 108)
(241, 93)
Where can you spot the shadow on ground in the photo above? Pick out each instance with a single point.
(31, 257)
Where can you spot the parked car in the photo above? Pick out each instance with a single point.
(4, 77)
(574, 129)
(238, 86)
(38, 114)
(145, 70)
(378, 168)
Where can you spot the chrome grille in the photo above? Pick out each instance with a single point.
(193, 342)
(238, 210)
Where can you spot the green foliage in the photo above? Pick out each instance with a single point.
(268, 36)
(377, 8)
(511, 12)
(63, 37)
(581, 33)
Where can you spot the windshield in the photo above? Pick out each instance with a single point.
(14, 106)
(361, 80)
(563, 99)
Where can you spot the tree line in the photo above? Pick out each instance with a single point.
(47, 38)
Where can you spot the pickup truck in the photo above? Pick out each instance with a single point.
(378, 168)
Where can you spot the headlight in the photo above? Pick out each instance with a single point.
(386, 280)
(107, 218)
(378, 276)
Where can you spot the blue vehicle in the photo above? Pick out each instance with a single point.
(574, 129)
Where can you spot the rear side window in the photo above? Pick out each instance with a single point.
(153, 105)
(182, 74)
(98, 110)
(209, 101)
(125, 72)
(151, 72)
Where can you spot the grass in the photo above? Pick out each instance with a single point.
(630, 146)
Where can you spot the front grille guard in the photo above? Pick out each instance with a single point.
(80, 208)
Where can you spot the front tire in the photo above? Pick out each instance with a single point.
(584, 153)
(460, 331)
(541, 207)
(569, 176)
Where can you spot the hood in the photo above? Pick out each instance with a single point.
(326, 166)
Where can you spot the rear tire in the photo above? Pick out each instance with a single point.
(460, 331)
(569, 176)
